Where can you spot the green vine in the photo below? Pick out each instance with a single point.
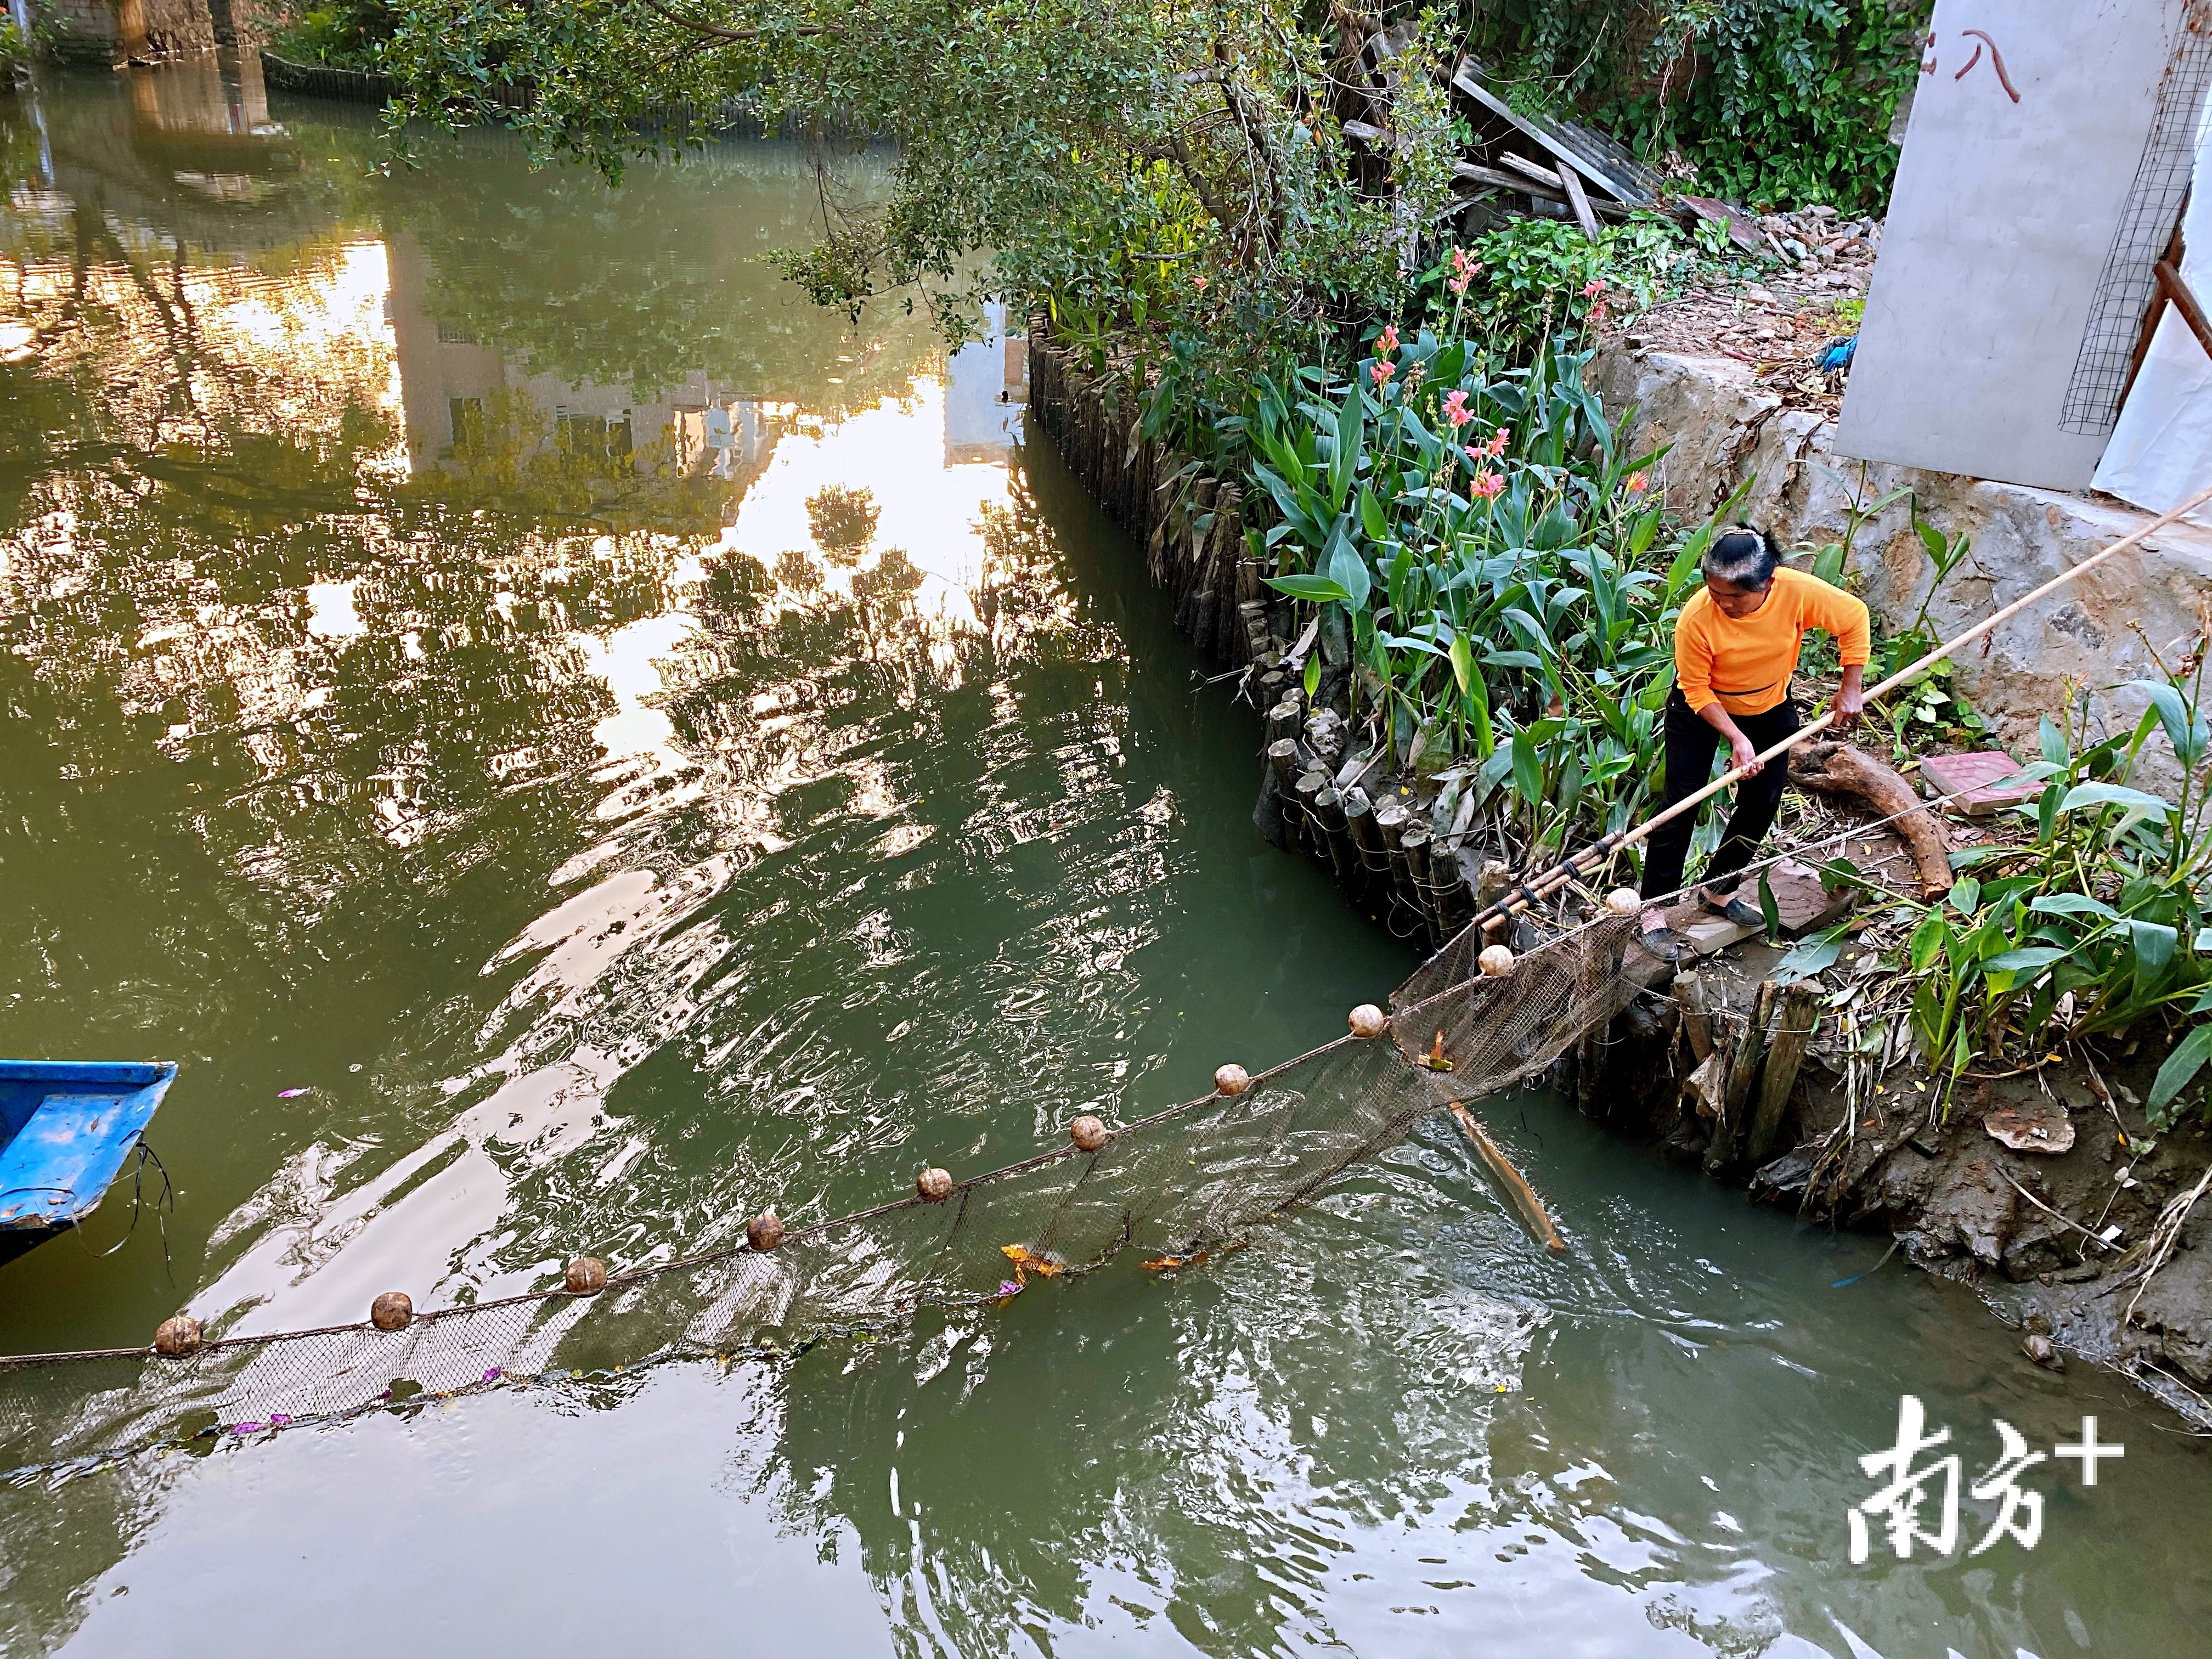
(1785, 102)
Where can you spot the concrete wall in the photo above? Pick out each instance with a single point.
(2096, 635)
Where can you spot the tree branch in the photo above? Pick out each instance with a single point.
(728, 37)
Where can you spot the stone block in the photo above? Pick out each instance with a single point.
(1972, 782)
(1710, 933)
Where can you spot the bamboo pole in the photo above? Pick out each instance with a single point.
(1598, 852)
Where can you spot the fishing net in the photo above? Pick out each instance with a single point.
(1174, 1186)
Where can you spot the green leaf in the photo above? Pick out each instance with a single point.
(1370, 515)
(1313, 676)
(1319, 589)
(2153, 943)
(1527, 768)
(1349, 571)
(1462, 662)
(2051, 740)
(1769, 911)
(2180, 1068)
(2111, 794)
(2073, 904)
(1966, 894)
(1809, 956)
(2008, 970)
(1478, 700)
(1344, 462)
(2189, 737)
(1928, 941)
(1842, 872)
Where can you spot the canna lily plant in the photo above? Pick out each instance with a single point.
(1481, 556)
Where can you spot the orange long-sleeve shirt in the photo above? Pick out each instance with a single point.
(1745, 665)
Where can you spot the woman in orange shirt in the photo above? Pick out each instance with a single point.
(1735, 649)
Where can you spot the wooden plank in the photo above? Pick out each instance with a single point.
(1530, 1208)
(1514, 182)
(1535, 171)
(1582, 214)
(1629, 191)
(1750, 1048)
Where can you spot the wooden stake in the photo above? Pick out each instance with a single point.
(1366, 839)
(1743, 1069)
(1518, 1193)
(1792, 1031)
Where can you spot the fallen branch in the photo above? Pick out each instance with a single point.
(1836, 769)
(2095, 1238)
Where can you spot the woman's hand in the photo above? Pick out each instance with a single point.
(1850, 699)
(1742, 756)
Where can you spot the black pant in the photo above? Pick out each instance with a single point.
(1690, 745)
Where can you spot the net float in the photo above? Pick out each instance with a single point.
(1367, 1021)
(935, 1185)
(1496, 960)
(175, 1338)
(1088, 1133)
(392, 1311)
(1624, 901)
(765, 1230)
(1231, 1079)
(586, 1276)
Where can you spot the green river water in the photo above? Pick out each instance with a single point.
(418, 721)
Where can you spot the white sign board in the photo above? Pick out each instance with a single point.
(2048, 151)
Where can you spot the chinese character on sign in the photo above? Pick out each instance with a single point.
(1908, 1489)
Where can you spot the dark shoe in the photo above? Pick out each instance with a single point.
(1664, 943)
(1736, 910)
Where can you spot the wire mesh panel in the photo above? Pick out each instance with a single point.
(2154, 208)
(1195, 1175)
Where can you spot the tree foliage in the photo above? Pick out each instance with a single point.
(1132, 159)
(1786, 101)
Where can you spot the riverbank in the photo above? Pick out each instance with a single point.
(2055, 1232)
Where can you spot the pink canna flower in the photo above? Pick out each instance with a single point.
(1499, 440)
(1458, 284)
(1635, 483)
(1456, 409)
(1382, 372)
(1386, 342)
(1488, 485)
(1198, 283)
(1592, 288)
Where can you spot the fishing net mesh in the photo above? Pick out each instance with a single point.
(1174, 1186)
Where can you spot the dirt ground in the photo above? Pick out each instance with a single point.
(1782, 325)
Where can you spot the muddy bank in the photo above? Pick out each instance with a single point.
(2042, 1190)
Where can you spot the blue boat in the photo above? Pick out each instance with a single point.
(66, 1127)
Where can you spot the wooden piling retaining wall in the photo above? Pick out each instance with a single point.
(1374, 832)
